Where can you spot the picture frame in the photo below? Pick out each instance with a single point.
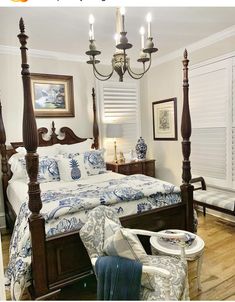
(52, 95)
(165, 119)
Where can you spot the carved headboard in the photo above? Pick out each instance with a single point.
(65, 136)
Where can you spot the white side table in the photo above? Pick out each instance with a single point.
(192, 252)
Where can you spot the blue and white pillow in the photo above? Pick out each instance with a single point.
(94, 162)
(72, 168)
(48, 169)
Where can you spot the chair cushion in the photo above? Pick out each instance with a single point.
(224, 200)
(127, 245)
(93, 232)
(178, 270)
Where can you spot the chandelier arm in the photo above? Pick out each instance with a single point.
(102, 79)
(145, 70)
(108, 76)
(135, 77)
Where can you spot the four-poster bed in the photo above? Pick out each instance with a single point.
(62, 259)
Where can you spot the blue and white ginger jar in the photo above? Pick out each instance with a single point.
(141, 148)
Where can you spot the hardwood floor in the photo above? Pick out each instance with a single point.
(218, 268)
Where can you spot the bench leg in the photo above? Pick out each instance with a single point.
(204, 211)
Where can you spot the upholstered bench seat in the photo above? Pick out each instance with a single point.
(219, 199)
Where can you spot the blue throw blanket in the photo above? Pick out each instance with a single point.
(118, 278)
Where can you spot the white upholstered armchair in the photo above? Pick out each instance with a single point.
(163, 277)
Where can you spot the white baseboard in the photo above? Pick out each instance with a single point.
(2, 221)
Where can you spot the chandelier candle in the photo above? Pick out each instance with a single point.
(122, 11)
(149, 19)
(142, 32)
(91, 32)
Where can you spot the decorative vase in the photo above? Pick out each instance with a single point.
(141, 149)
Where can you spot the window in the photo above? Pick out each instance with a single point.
(119, 103)
(213, 123)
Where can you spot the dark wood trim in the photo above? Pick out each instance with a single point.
(175, 138)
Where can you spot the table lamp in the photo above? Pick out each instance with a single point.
(114, 131)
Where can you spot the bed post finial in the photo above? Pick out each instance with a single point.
(95, 123)
(30, 138)
(186, 188)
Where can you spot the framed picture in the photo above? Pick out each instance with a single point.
(165, 119)
(52, 95)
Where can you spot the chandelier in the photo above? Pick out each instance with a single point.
(120, 60)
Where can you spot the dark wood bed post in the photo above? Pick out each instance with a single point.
(95, 123)
(186, 187)
(30, 138)
(4, 164)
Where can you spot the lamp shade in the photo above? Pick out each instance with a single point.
(113, 130)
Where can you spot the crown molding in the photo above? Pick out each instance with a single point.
(219, 36)
(44, 54)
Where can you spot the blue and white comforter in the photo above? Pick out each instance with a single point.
(66, 210)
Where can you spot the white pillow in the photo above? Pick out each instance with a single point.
(43, 151)
(71, 168)
(18, 167)
(77, 148)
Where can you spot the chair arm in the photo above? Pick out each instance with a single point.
(201, 180)
(147, 269)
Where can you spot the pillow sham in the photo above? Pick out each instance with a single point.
(125, 244)
(94, 162)
(77, 148)
(71, 168)
(47, 169)
(43, 151)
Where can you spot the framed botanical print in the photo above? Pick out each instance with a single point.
(52, 95)
(165, 119)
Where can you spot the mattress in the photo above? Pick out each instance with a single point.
(17, 190)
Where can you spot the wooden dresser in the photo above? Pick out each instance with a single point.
(146, 167)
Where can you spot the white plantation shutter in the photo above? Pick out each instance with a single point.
(119, 103)
(210, 97)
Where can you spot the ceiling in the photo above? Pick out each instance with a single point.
(66, 29)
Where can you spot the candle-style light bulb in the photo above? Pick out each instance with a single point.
(149, 19)
(122, 12)
(91, 19)
(91, 32)
(142, 32)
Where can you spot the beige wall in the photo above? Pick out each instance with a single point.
(12, 98)
(165, 81)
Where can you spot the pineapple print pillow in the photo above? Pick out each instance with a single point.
(72, 168)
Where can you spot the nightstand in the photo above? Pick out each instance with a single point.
(146, 167)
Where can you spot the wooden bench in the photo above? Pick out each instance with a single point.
(218, 200)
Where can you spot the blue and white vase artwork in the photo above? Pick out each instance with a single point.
(141, 149)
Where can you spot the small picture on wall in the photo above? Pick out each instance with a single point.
(52, 95)
(165, 119)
